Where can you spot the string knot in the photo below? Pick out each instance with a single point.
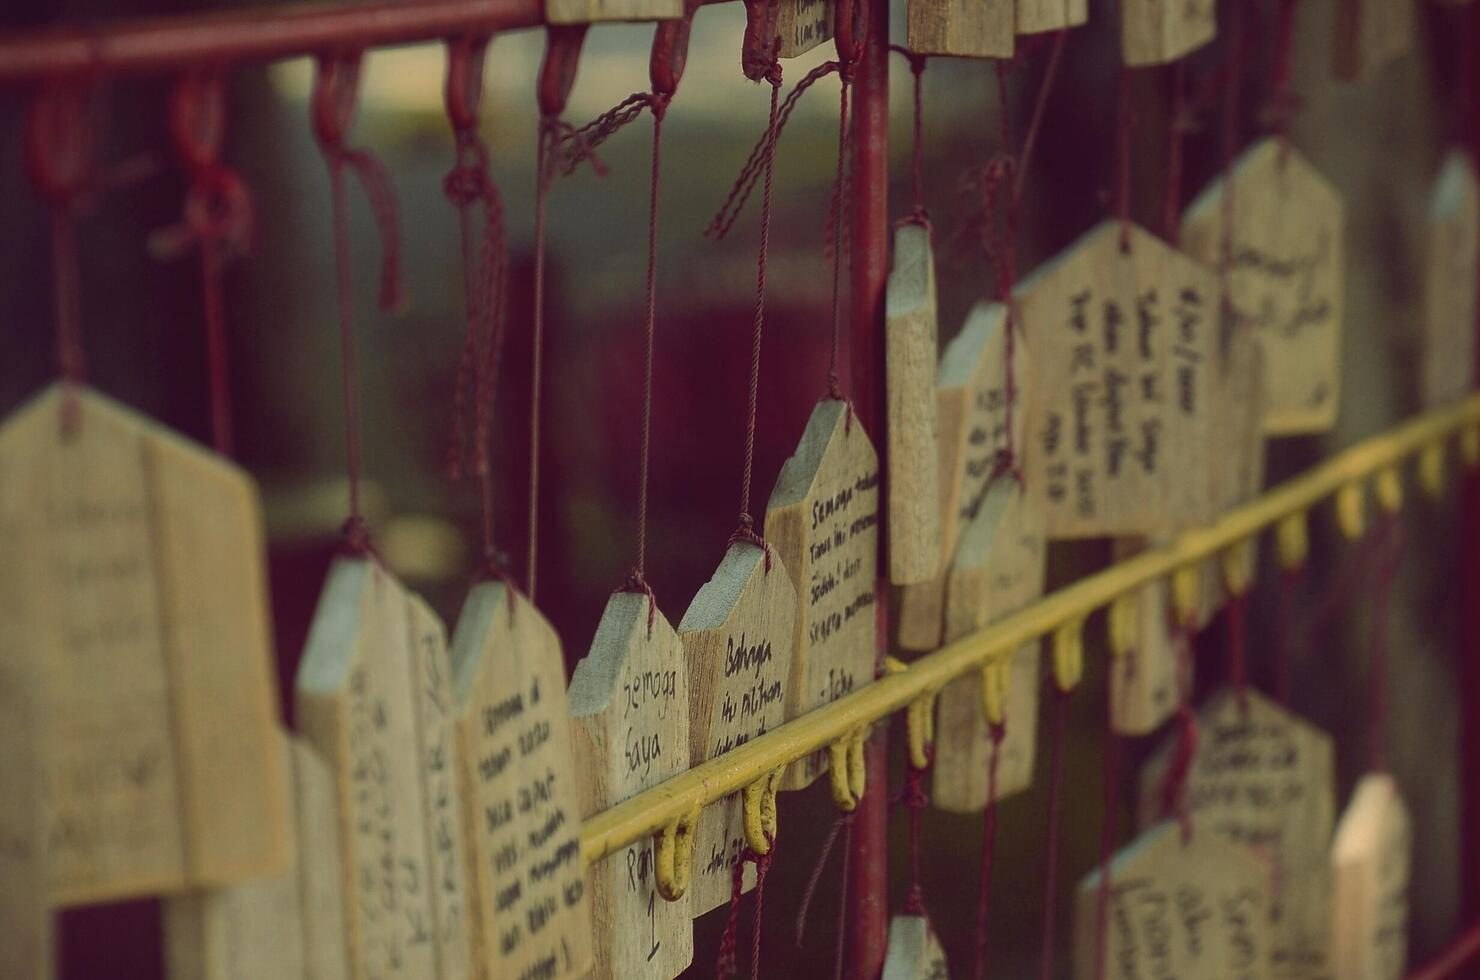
(464, 185)
(579, 144)
(356, 534)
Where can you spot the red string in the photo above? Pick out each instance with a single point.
(217, 221)
(917, 214)
(1059, 734)
(335, 86)
(1238, 674)
(989, 840)
(659, 106)
(1389, 560)
(1174, 782)
(727, 963)
(1109, 824)
(1178, 124)
(59, 156)
(1283, 102)
(1285, 642)
(837, 237)
(1124, 128)
(1236, 57)
(746, 528)
(549, 128)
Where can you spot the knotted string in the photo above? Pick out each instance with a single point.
(989, 839)
(335, 87)
(1109, 823)
(1283, 104)
(915, 800)
(217, 220)
(917, 215)
(1174, 802)
(59, 156)
(727, 964)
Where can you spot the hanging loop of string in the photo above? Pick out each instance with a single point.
(1174, 802)
(917, 215)
(59, 157)
(1388, 560)
(332, 107)
(217, 220)
(467, 186)
(1284, 104)
(842, 827)
(727, 964)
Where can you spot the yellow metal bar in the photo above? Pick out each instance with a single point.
(659, 807)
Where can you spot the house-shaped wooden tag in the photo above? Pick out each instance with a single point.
(1286, 278)
(1041, 16)
(998, 569)
(737, 635)
(373, 694)
(629, 704)
(290, 925)
(802, 25)
(823, 524)
(1371, 862)
(913, 951)
(520, 790)
(1126, 348)
(1156, 32)
(1451, 280)
(972, 421)
(910, 345)
(962, 28)
(591, 11)
(140, 618)
(1263, 778)
(1194, 908)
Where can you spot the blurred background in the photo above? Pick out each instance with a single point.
(1379, 142)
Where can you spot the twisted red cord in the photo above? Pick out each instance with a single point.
(843, 825)
(550, 128)
(755, 164)
(1174, 802)
(1389, 561)
(650, 318)
(1059, 734)
(1283, 102)
(989, 840)
(917, 214)
(1285, 641)
(837, 237)
(1238, 672)
(727, 964)
(1124, 129)
(1109, 824)
(1177, 126)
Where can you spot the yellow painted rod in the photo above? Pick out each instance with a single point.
(651, 811)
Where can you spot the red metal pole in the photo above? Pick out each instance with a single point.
(868, 885)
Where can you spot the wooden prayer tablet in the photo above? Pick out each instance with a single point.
(589, 11)
(1371, 863)
(999, 568)
(913, 952)
(141, 618)
(1125, 350)
(803, 24)
(823, 523)
(962, 28)
(972, 421)
(1451, 279)
(286, 926)
(909, 368)
(1039, 16)
(1194, 909)
(1369, 34)
(1265, 780)
(1155, 32)
(26, 951)
(737, 636)
(629, 702)
(376, 658)
(520, 791)
(1289, 257)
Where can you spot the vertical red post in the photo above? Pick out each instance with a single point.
(868, 885)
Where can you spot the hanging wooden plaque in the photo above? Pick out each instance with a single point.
(287, 926)
(973, 420)
(962, 28)
(629, 704)
(1369, 34)
(803, 24)
(591, 11)
(1155, 32)
(1040, 16)
(142, 608)
(1126, 347)
(375, 656)
(1265, 779)
(998, 569)
(909, 369)
(737, 636)
(1451, 282)
(1286, 279)
(1194, 909)
(26, 951)
(1371, 864)
(823, 523)
(520, 792)
(913, 951)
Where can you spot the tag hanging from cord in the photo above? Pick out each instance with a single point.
(335, 90)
